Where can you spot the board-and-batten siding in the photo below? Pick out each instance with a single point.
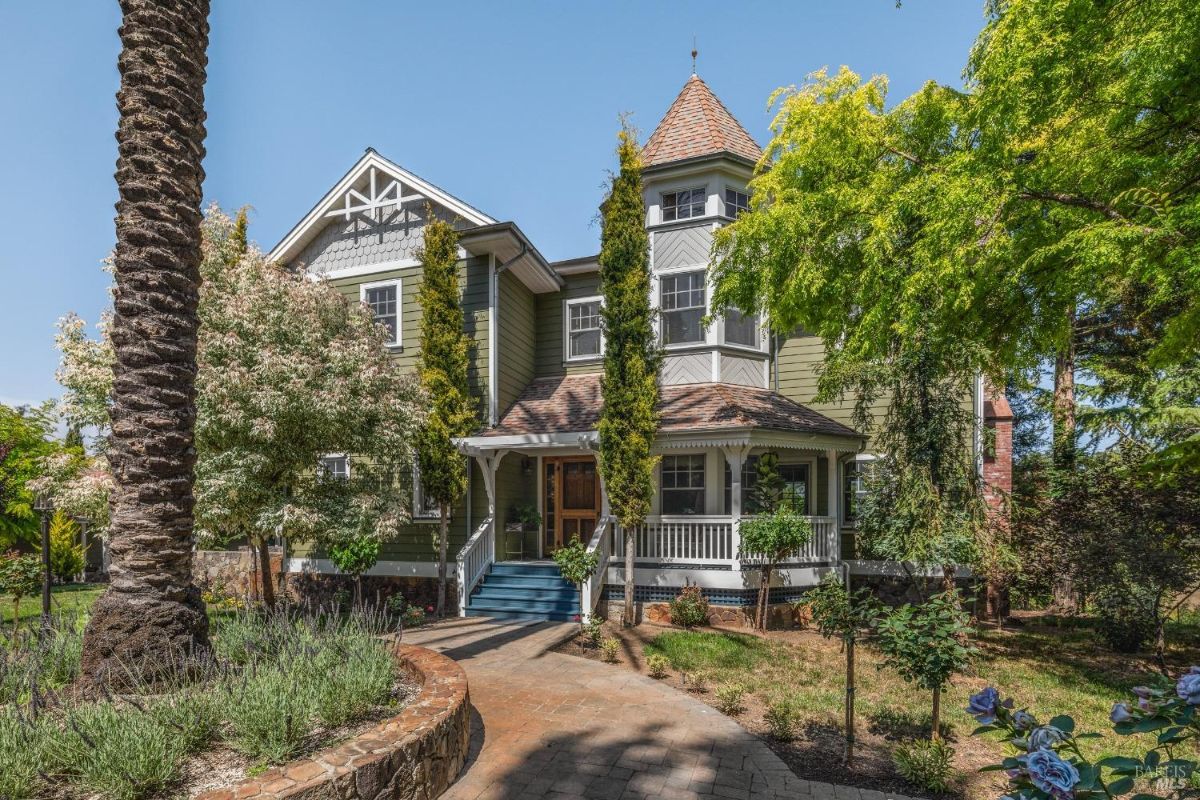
(550, 358)
(517, 333)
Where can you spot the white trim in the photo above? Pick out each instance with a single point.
(418, 499)
(576, 439)
(365, 269)
(283, 252)
(702, 188)
(398, 283)
(346, 456)
(567, 303)
(706, 339)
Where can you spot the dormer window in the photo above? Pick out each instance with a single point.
(682, 303)
(383, 298)
(686, 204)
(736, 203)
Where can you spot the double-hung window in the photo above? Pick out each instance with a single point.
(854, 491)
(741, 329)
(584, 339)
(736, 202)
(335, 466)
(682, 479)
(423, 506)
(682, 304)
(383, 298)
(684, 204)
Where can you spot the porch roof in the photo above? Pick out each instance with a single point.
(571, 404)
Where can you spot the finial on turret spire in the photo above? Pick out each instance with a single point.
(695, 53)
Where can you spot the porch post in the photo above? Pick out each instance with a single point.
(735, 456)
(835, 549)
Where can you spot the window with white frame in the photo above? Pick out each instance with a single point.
(383, 298)
(681, 300)
(736, 202)
(854, 490)
(741, 329)
(684, 204)
(423, 506)
(335, 466)
(584, 339)
(682, 481)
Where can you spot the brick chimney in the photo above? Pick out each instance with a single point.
(997, 454)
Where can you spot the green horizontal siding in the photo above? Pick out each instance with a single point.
(517, 335)
(550, 308)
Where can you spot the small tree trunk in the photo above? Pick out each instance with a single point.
(630, 617)
(264, 572)
(934, 735)
(850, 700)
(443, 534)
(764, 592)
(16, 618)
(1064, 599)
(358, 592)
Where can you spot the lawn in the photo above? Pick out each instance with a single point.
(70, 597)
(1050, 666)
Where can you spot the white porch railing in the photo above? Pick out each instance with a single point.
(600, 544)
(473, 561)
(712, 540)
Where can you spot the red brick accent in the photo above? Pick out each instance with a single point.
(997, 455)
(417, 753)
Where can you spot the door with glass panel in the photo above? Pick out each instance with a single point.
(571, 493)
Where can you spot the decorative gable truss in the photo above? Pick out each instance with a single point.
(379, 206)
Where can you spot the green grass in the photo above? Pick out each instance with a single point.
(689, 650)
(70, 597)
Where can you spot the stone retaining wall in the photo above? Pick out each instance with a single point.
(415, 755)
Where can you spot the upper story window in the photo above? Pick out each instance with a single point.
(736, 202)
(383, 298)
(335, 466)
(683, 204)
(741, 329)
(682, 304)
(584, 339)
(682, 480)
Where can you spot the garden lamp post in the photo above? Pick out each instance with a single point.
(82, 522)
(44, 505)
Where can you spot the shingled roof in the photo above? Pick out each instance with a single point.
(571, 403)
(697, 124)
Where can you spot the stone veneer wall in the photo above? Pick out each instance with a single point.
(416, 754)
(234, 571)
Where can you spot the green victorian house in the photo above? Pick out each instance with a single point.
(730, 391)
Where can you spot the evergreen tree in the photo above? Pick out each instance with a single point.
(443, 371)
(628, 419)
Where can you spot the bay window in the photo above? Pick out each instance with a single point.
(682, 481)
(682, 305)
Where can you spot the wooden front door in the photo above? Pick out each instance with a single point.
(572, 500)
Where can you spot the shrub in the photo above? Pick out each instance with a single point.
(924, 763)
(611, 648)
(413, 617)
(593, 630)
(781, 719)
(22, 752)
(66, 554)
(577, 565)
(396, 604)
(1126, 615)
(20, 576)
(270, 713)
(657, 665)
(729, 698)
(352, 678)
(696, 681)
(689, 608)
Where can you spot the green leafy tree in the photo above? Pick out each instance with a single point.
(629, 385)
(768, 539)
(927, 644)
(769, 486)
(355, 555)
(577, 566)
(20, 576)
(442, 368)
(24, 442)
(66, 553)
(837, 614)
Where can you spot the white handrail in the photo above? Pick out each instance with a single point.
(474, 559)
(600, 544)
(710, 539)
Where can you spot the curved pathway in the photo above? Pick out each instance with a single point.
(549, 725)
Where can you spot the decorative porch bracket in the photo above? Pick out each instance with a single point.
(479, 552)
(735, 456)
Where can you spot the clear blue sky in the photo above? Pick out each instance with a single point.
(512, 106)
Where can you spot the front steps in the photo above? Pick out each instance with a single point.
(524, 591)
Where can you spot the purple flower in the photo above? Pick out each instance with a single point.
(1144, 692)
(1050, 773)
(1120, 713)
(1045, 737)
(1022, 720)
(1188, 688)
(984, 705)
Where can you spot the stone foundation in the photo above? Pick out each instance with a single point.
(234, 572)
(314, 588)
(416, 754)
(780, 616)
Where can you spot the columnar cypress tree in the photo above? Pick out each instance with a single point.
(629, 419)
(443, 371)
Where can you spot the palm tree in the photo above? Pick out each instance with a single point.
(152, 616)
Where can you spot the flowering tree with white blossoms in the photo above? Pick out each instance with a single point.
(288, 371)
(1049, 764)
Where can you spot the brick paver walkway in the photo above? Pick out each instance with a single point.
(548, 725)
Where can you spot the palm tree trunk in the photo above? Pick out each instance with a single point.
(152, 618)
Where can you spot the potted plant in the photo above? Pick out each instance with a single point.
(523, 518)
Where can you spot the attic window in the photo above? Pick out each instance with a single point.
(736, 203)
(686, 204)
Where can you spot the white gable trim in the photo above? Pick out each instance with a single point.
(298, 236)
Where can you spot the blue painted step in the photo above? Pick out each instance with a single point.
(524, 591)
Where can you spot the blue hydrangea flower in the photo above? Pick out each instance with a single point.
(1188, 687)
(983, 705)
(1022, 720)
(1050, 773)
(1045, 737)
